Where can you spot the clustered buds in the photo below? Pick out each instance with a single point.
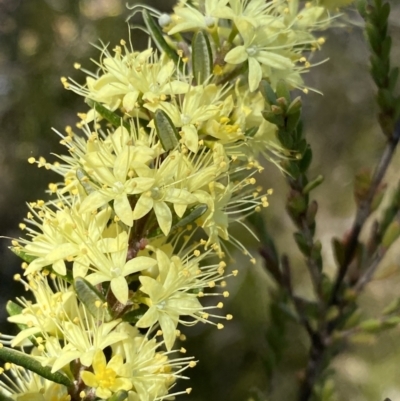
(133, 237)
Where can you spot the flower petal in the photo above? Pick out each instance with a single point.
(119, 287)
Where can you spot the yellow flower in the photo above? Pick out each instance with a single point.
(162, 191)
(258, 49)
(187, 18)
(199, 104)
(29, 386)
(105, 378)
(114, 268)
(151, 371)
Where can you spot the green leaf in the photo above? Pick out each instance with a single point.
(13, 308)
(158, 37)
(305, 162)
(285, 139)
(282, 90)
(84, 179)
(119, 396)
(202, 59)
(292, 120)
(23, 255)
(391, 234)
(258, 222)
(338, 250)
(302, 244)
(295, 106)
(192, 216)
(113, 118)
(26, 361)
(394, 75)
(276, 119)
(267, 92)
(134, 315)
(166, 130)
(384, 13)
(251, 132)
(89, 296)
(313, 184)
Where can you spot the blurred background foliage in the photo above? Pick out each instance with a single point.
(39, 42)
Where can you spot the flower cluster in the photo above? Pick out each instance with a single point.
(133, 236)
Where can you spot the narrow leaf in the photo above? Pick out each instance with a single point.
(113, 118)
(267, 92)
(202, 59)
(119, 396)
(23, 255)
(158, 38)
(166, 130)
(84, 180)
(192, 216)
(15, 309)
(338, 250)
(134, 315)
(251, 132)
(89, 296)
(26, 361)
(282, 90)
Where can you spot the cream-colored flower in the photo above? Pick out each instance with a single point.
(257, 12)
(162, 191)
(188, 18)
(51, 308)
(61, 235)
(199, 104)
(152, 372)
(168, 295)
(24, 385)
(117, 186)
(114, 268)
(259, 49)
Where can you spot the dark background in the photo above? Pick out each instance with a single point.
(39, 42)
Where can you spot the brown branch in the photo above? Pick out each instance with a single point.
(364, 211)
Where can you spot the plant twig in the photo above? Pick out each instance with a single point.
(364, 211)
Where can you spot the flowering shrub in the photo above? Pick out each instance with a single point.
(134, 237)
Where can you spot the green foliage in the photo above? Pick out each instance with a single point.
(21, 359)
(202, 57)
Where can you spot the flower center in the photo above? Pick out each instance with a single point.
(106, 377)
(154, 87)
(115, 272)
(209, 21)
(251, 51)
(118, 187)
(156, 193)
(185, 119)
